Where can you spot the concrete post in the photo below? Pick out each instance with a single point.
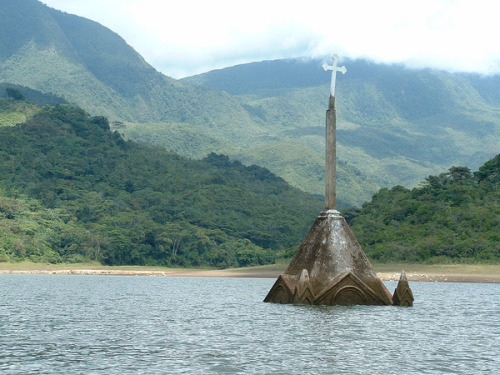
(330, 157)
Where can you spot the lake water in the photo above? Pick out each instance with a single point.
(67, 324)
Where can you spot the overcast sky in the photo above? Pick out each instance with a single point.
(186, 37)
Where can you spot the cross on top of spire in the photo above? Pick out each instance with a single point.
(334, 69)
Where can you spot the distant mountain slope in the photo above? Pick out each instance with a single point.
(264, 76)
(92, 66)
(395, 125)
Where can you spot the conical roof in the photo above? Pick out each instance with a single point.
(336, 264)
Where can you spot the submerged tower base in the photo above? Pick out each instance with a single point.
(330, 268)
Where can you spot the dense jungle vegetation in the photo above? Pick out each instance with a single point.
(454, 216)
(71, 190)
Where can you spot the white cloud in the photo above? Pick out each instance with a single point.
(192, 36)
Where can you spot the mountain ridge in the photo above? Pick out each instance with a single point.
(416, 120)
(91, 66)
(395, 125)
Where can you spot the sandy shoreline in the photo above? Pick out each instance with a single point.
(252, 273)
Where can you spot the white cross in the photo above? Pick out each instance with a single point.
(334, 70)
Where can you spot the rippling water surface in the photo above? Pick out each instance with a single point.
(56, 324)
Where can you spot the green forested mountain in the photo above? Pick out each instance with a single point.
(454, 216)
(72, 190)
(93, 67)
(396, 125)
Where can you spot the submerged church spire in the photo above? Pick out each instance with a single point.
(330, 267)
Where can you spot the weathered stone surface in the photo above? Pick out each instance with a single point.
(292, 289)
(348, 289)
(331, 268)
(403, 296)
(282, 291)
(303, 292)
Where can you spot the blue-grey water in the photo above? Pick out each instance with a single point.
(68, 324)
